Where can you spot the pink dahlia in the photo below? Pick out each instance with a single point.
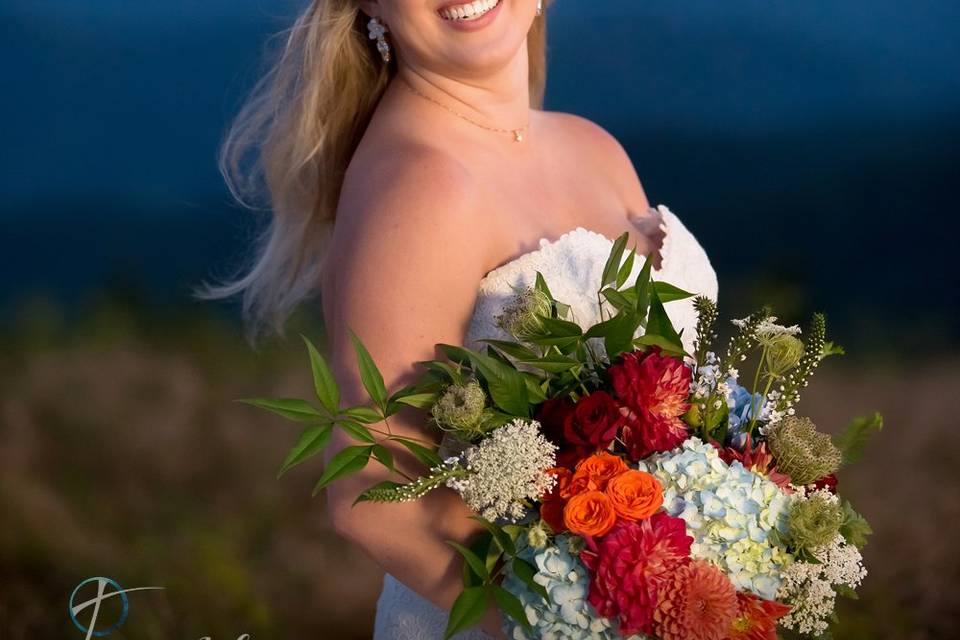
(629, 565)
(653, 390)
(698, 602)
(755, 458)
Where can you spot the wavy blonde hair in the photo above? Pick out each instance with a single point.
(290, 145)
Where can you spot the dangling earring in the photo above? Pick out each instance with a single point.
(377, 29)
(539, 7)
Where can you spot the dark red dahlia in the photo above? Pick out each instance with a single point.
(653, 389)
(552, 416)
(630, 564)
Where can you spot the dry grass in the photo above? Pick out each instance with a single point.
(128, 459)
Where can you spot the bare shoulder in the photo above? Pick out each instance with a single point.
(605, 153)
(413, 202)
(406, 253)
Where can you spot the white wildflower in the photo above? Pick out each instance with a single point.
(506, 470)
(809, 588)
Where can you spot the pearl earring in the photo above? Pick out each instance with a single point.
(377, 29)
(539, 7)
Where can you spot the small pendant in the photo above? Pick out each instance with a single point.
(517, 135)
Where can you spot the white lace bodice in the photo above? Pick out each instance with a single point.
(572, 266)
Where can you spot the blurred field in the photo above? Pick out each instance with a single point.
(123, 455)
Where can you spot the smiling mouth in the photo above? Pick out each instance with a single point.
(467, 11)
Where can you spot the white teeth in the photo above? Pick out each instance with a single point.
(468, 11)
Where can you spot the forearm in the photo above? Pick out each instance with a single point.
(409, 539)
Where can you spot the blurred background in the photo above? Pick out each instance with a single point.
(813, 147)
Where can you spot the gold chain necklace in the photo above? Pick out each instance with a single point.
(516, 133)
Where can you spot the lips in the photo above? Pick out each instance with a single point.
(466, 11)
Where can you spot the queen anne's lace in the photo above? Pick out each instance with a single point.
(810, 588)
(507, 469)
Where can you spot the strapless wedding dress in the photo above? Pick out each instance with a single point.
(572, 265)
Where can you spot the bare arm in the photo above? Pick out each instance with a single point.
(407, 264)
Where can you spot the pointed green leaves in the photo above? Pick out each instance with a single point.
(370, 374)
(473, 560)
(612, 267)
(511, 606)
(311, 441)
(526, 572)
(290, 408)
(853, 440)
(349, 460)
(467, 610)
(658, 324)
(323, 381)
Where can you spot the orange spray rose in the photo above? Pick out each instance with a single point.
(589, 513)
(635, 494)
(594, 472)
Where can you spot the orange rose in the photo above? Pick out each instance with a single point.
(635, 495)
(594, 472)
(589, 514)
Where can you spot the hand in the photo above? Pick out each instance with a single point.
(652, 229)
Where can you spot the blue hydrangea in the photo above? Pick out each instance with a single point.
(741, 403)
(737, 518)
(568, 615)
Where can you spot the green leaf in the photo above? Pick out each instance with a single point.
(558, 328)
(668, 347)
(348, 460)
(553, 363)
(855, 527)
(668, 293)
(357, 431)
(383, 456)
(511, 606)
(535, 394)
(658, 323)
(505, 384)
(626, 268)
(417, 400)
(513, 349)
(428, 457)
(369, 373)
(323, 381)
(853, 440)
(541, 284)
(526, 572)
(290, 408)
(467, 610)
(641, 288)
(366, 415)
(312, 440)
(476, 564)
(618, 299)
(845, 591)
(612, 266)
(504, 541)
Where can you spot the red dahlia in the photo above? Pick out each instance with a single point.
(756, 618)
(653, 389)
(630, 563)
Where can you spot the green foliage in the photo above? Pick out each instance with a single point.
(312, 441)
(853, 439)
(324, 382)
(855, 527)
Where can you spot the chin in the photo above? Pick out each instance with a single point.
(475, 44)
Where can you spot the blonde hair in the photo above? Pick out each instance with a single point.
(292, 141)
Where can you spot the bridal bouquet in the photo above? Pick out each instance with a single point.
(626, 489)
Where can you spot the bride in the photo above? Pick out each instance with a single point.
(413, 178)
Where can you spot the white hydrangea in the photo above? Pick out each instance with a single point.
(735, 516)
(507, 470)
(810, 588)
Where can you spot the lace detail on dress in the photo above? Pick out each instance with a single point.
(572, 265)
